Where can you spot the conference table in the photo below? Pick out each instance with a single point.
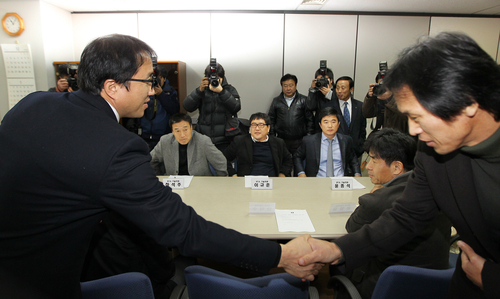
(225, 200)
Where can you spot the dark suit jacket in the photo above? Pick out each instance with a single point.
(241, 149)
(357, 129)
(65, 162)
(438, 183)
(430, 249)
(310, 151)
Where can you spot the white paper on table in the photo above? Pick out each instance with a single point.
(293, 221)
(187, 179)
(261, 207)
(347, 207)
(356, 184)
(248, 179)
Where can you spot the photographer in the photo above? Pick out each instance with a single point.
(67, 75)
(217, 101)
(164, 103)
(321, 92)
(380, 103)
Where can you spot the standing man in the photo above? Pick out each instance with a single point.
(67, 75)
(290, 118)
(164, 104)
(186, 152)
(391, 164)
(47, 220)
(328, 153)
(258, 153)
(352, 123)
(450, 90)
(321, 94)
(216, 105)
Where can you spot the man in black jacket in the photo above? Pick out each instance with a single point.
(290, 118)
(391, 163)
(47, 220)
(258, 153)
(216, 104)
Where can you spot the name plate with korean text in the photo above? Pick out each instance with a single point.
(342, 183)
(261, 183)
(174, 183)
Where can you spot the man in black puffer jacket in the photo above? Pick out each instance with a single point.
(216, 105)
(290, 118)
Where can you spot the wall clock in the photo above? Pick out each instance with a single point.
(13, 24)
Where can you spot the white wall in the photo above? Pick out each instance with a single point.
(57, 33)
(29, 10)
(256, 49)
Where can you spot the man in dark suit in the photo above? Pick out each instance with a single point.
(258, 153)
(391, 164)
(82, 163)
(352, 123)
(450, 90)
(316, 149)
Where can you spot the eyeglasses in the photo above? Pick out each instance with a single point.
(261, 126)
(154, 81)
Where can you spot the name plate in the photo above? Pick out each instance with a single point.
(174, 183)
(343, 183)
(262, 184)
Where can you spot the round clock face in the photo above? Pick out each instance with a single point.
(13, 24)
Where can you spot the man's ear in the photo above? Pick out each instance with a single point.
(397, 168)
(471, 110)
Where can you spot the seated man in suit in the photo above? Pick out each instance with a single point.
(259, 153)
(327, 153)
(391, 163)
(186, 152)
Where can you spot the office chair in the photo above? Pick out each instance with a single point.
(206, 283)
(132, 285)
(402, 282)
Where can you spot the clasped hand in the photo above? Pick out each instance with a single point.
(304, 256)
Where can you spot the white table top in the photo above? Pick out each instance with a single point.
(225, 200)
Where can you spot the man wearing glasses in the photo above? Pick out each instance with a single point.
(258, 153)
(66, 162)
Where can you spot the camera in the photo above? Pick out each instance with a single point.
(322, 81)
(72, 70)
(213, 78)
(156, 78)
(379, 88)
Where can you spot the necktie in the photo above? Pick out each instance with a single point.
(347, 117)
(329, 159)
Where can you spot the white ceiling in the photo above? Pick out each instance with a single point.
(480, 7)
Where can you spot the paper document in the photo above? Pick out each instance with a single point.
(293, 221)
(187, 179)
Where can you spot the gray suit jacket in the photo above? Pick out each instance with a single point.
(200, 152)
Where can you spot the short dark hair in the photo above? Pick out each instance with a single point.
(446, 74)
(347, 78)
(328, 111)
(161, 71)
(220, 71)
(178, 117)
(289, 77)
(261, 115)
(114, 56)
(391, 145)
(329, 73)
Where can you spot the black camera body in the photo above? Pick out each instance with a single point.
(322, 81)
(72, 70)
(213, 78)
(379, 88)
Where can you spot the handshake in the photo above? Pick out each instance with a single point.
(304, 256)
